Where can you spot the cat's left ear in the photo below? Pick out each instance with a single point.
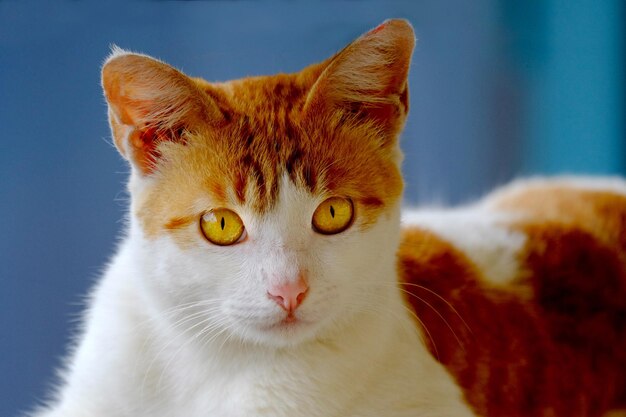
(151, 102)
(368, 77)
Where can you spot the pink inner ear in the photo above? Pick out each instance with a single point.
(143, 140)
(144, 148)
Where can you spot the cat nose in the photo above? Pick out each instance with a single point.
(289, 295)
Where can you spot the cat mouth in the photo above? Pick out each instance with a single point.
(291, 318)
(288, 322)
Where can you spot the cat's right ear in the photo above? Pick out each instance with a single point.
(150, 102)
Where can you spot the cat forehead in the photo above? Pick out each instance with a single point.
(267, 139)
(242, 164)
(200, 176)
(269, 102)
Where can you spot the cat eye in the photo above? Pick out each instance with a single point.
(333, 216)
(222, 226)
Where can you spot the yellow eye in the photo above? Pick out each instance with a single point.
(333, 216)
(221, 226)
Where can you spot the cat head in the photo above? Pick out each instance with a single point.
(267, 206)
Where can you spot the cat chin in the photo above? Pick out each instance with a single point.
(284, 333)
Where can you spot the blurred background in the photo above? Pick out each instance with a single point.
(499, 89)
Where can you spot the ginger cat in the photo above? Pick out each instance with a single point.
(265, 271)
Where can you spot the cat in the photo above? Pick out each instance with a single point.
(267, 269)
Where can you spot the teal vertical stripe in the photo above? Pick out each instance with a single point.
(576, 103)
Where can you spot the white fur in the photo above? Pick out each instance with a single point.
(608, 184)
(481, 234)
(357, 352)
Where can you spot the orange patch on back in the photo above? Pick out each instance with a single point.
(601, 213)
(559, 352)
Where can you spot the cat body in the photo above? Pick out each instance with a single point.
(265, 271)
(524, 295)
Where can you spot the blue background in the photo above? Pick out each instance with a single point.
(499, 89)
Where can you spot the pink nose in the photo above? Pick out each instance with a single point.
(289, 295)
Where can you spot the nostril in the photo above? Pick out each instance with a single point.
(277, 298)
(301, 296)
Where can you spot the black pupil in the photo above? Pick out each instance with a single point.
(332, 211)
(222, 223)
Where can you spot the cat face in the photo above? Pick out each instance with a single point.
(267, 207)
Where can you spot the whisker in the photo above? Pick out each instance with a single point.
(178, 309)
(442, 299)
(438, 314)
(178, 323)
(400, 285)
(376, 309)
(185, 344)
(430, 336)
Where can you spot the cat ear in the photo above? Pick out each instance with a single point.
(150, 102)
(368, 77)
